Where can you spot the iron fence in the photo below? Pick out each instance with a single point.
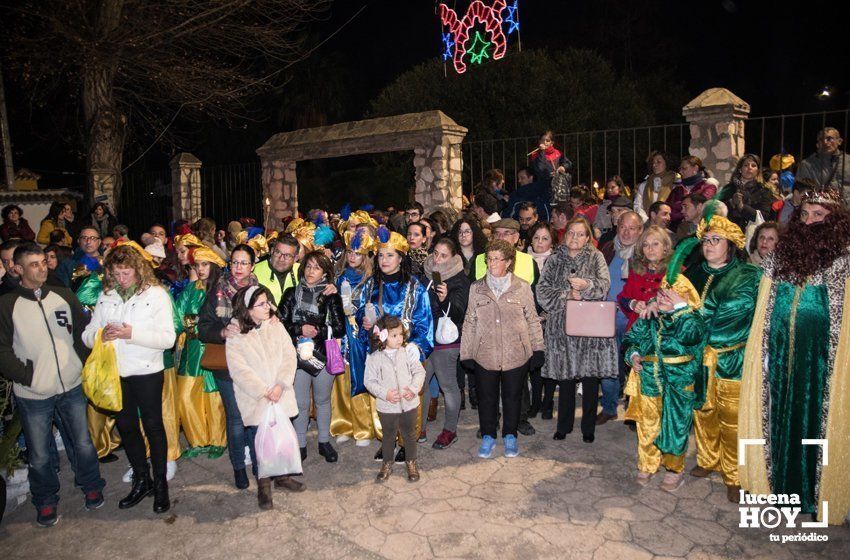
(232, 191)
(599, 154)
(145, 199)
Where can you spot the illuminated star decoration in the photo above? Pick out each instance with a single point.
(510, 19)
(448, 46)
(461, 29)
(479, 45)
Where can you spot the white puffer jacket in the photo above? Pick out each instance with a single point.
(151, 315)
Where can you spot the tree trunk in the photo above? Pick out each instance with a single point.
(106, 125)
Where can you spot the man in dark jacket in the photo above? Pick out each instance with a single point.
(42, 353)
(7, 255)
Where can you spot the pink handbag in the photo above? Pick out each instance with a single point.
(334, 363)
(590, 318)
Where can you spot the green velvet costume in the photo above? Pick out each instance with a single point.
(675, 337)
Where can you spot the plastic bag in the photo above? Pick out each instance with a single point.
(101, 381)
(446, 331)
(276, 444)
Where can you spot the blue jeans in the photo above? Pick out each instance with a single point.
(37, 422)
(236, 433)
(251, 435)
(611, 385)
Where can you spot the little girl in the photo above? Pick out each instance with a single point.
(394, 375)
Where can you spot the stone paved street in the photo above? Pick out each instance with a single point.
(556, 500)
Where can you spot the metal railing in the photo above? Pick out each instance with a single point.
(145, 199)
(599, 154)
(232, 191)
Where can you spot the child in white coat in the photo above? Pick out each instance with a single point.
(394, 375)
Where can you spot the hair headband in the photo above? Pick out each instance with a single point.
(249, 294)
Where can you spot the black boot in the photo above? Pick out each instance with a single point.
(473, 398)
(142, 488)
(161, 503)
(327, 451)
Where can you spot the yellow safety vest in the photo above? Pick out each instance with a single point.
(523, 267)
(266, 276)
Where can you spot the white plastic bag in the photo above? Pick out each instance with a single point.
(446, 331)
(751, 229)
(276, 444)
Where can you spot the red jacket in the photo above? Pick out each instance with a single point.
(639, 287)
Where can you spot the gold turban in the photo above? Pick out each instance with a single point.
(396, 242)
(362, 243)
(357, 217)
(205, 254)
(724, 228)
(188, 240)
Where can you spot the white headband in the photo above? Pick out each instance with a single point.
(248, 293)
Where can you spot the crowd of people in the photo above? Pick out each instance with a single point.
(726, 308)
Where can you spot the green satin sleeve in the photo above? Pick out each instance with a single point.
(90, 290)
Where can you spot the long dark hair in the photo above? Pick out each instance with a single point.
(240, 310)
(404, 268)
(215, 276)
(479, 240)
(56, 208)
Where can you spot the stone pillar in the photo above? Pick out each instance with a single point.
(716, 118)
(104, 185)
(439, 169)
(186, 187)
(280, 192)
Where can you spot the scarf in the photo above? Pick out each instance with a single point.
(625, 253)
(224, 292)
(101, 225)
(418, 256)
(553, 155)
(306, 307)
(499, 285)
(451, 267)
(693, 180)
(539, 258)
(665, 185)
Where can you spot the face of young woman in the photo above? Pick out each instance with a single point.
(541, 242)
(687, 169)
(415, 238)
(576, 237)
(203, 269)
(261, 310)
(658, 165)
(14, 215)
(749, 170)
(313, 273)
(464, 235)
(497, 264)
(52, 261)
(389, 261)
(612, 189)
(353, 259)
(125, 276)
(98, 212)
(183, 254)
(395, 338)
(653, 249)
(240, 265)
(441, 254)
(767, 241)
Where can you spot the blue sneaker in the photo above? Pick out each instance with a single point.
(511, 449)
(487, 445)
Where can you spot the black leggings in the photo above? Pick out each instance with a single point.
(567, 404)
(142, 398)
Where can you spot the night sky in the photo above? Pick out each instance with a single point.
(777, 56)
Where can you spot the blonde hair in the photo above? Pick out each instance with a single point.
(640, 264)
(124, 255)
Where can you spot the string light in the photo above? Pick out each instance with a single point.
(460, 28)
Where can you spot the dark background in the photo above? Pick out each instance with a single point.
(777, 56)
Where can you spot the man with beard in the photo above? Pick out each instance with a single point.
(796, 380)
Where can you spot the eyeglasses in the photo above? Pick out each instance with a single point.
(465, 232)
(713, 241)
(576, 234)
(263, 305)
(495, 259)
(830, 138)
(281, 255)
(240, 263)
(88, 238)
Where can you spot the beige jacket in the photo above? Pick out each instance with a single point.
(502, 333)
(385, 372)
(257, 361)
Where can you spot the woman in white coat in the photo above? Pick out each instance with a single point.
(261, 360)
(135, 313)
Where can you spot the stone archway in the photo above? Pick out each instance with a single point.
(434, 138)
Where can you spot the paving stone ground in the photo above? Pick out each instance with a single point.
(565, 500)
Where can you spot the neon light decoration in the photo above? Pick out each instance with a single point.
(448, 46)
(494, 36)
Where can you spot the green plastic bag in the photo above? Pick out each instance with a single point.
(101, 381)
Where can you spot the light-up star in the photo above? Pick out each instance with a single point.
(478, 50)
(510, 19)
(448, 46)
